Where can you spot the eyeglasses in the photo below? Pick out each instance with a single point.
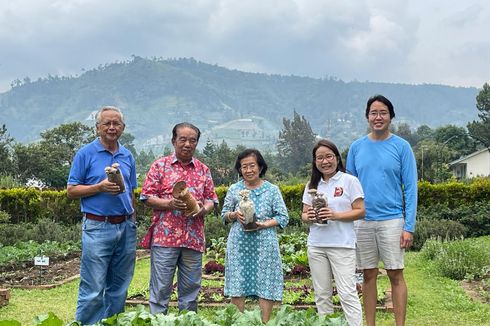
(382, 114)
(328, 157)
(183, 140)
(108, 124)
(248, 167)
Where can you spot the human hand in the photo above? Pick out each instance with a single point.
(406, 240)
(202, 210)
(239, 217)
(109, 187)
(261, 225)
(325, 214)
(177, 204)
(311, 215)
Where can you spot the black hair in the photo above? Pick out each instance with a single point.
(382, 99)
(251, 152)
(316, 175)
(184, 125)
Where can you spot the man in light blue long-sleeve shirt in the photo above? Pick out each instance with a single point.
(385, 165)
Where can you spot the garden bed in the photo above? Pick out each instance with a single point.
(298, 292)
(61, 270)
(478, 290)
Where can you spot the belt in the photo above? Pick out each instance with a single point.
(117, 219)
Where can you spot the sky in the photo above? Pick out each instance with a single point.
(397, 41)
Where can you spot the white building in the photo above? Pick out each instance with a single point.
(476, 164)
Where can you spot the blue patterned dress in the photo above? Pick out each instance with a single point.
(253, 264)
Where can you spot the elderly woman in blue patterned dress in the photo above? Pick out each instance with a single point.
(253, 266)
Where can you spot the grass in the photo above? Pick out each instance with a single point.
(24, 305)
(436, 300)
(432, 300)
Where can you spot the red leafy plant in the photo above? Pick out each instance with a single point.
(213, 267)
(300, 270)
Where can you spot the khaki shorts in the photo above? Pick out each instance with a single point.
(379, 240)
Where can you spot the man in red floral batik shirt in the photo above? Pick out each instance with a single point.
(177, 241)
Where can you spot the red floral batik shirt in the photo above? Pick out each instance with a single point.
(172, 228)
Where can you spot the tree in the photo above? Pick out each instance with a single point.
(424, 132)
(221, 161)
(432, 158)
(49, 160)
(455, 138)
(295, 143)
(127, 140)
(66, 139)
(480, 130)
(403, 130)
(143, 163)
(40, 162)
(5, 151)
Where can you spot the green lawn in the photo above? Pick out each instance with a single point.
(433, 300)
(25, 304)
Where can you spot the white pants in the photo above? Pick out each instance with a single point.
(340, 263)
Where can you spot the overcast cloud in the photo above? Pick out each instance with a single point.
(438, 41)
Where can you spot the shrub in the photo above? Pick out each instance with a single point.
(455, 201)
(453, 194)
(4, 217)
(143, 223)
(475, 216)
(462, 259)
(432, 228)
(477, 219)
(8, 181)
(44, 230)
(431, 249)
(215, 229)
(295, 218)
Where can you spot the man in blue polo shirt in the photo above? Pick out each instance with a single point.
(385, 165)
(108, 229)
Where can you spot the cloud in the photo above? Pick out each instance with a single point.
(379, 40)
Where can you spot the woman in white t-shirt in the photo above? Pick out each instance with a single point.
(332, 240)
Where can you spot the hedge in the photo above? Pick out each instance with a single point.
(453, 194)
(29, 205)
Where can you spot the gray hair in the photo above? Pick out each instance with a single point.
(108, 108)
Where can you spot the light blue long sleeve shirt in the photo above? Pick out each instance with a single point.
(388, 175)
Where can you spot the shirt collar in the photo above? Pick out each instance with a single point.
(256, 191)
(101, 148)
(175, 160)
(335, 177)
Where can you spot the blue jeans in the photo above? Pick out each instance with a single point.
(106, 268)
(164, 261)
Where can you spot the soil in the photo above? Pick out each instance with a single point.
(60, 270)
(477, 290)
(66, 268)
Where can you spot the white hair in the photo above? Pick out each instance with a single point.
(108, 108)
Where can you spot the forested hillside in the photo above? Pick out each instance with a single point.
(156, 93)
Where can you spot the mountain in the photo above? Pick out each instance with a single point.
(154, 94)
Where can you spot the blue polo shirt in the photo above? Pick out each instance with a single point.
(88, 168)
